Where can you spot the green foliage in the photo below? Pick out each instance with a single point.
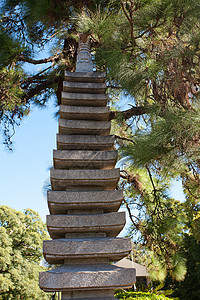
(141, 296)
(12, 107)
(170, 140)
(150, 53)
(21, 240)
(160, 221)
(190, 287)
(26, 27)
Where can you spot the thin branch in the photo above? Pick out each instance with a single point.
(30, 79)
(124, 10)
(124, 138)
(130, 215)
(127, 114)
(39, 61)
(150, 29)
(40, 87)
(151, 179)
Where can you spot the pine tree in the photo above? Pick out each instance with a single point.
(151, 54)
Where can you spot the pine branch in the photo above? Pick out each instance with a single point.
(124, 138)
(134, 180)
(130, 215)
(30, 79)
(129, 18)
(127, 114)
(151, 179)
(39, 88)
(39, 61)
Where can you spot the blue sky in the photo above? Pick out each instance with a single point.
(24, 171)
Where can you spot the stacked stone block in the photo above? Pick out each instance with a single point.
(84, 219)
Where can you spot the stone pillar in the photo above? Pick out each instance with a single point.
(84, 219)
(84, 58)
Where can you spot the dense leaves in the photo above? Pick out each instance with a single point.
(190, 287)
(21, 239)
(141, 296)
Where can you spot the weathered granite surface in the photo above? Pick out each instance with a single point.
(84, 113)
(84, 76)
(84, 127)
(80, 277)
(84, 99)
(84, 87)
(93, 179)
(89, 295)
(88, 142)
(110, 224)
(65, 159)
(84, 58)
(60, 202)
(56, 251)
(83, 202)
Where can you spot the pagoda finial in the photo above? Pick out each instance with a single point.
(84, 59)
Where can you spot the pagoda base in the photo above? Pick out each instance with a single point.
(89, 295)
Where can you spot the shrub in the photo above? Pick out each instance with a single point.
(141, 296)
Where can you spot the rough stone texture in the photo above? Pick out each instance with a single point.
(65, 159)
(80, 277)
(56, 251)
(60, 202)
(84, 113)
(78, 99)
(110, 223)
(84, 127)
(87, 142)
(84, 58)
(84, 87)
(90, 178)
(83, 202)
(84, 77)
(89, 295)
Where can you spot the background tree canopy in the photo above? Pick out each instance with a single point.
(150, 51)
(21, 241)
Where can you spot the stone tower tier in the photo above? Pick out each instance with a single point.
(59, 250)
(93, 179)
(83, 87)
(65, 159)
(87, 277)
(78, 99)
(84, 127)
(60, 202)
(85, 77)
(84, 113)
(85, 142)
(83, 224)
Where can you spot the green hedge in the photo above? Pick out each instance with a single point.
(141, 296)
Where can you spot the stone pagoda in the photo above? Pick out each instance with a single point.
(83, 204)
